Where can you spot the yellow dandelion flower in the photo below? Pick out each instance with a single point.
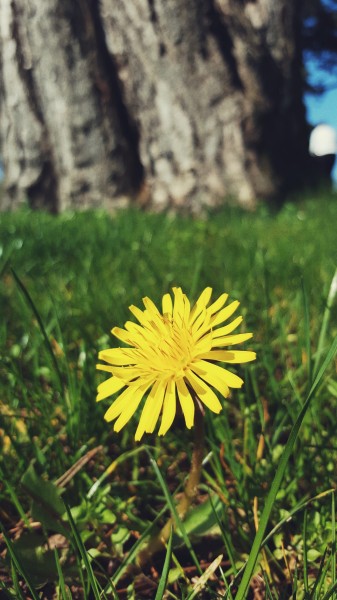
(172, 357)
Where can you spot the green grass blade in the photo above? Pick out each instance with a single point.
(298, 508)
(330, 592)
(269, 593)
(166, 568)
(6, 593)
(329, 357)
(84, 555)
(321, 576)
(18, 566)
(119, 460)
(305, 553)
(227, 542)
(14, 499)
(228, 594)
(3, 267)
(307, 331)
(16, 584)
(64, 593)
(295, 582)
(133, 552)
(173, 510)
(325, 321)
(333, 541)
(253, 556)
(36, 313)
(6, 256)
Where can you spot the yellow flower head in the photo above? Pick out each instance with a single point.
(172, 358)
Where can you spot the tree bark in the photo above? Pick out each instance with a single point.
(66, 140)
(171, 104)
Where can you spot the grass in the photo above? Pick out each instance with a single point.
(76, 500)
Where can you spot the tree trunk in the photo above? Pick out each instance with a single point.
(171, 104)
(67, 139)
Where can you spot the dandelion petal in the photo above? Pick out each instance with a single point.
(167, 304)
(231, 340)
(204, 392)
(130, 408)
(119, 404)
(169, 408)
(226, 329)
(109, 387)
(151, 410)
(117, 356)
(230, 356)
(225, 313)
(186, 403)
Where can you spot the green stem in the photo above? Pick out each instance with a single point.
(157, 542)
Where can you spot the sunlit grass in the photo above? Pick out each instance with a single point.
(64, 283)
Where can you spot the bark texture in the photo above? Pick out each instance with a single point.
(174, 104)
(67, 141)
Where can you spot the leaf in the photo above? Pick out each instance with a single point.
(36, 558)
(42, 492)
(201, 520)
(313, 554)
(50, 522)
(17, 565)
(47, 506)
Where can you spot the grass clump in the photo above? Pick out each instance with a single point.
(77, 501)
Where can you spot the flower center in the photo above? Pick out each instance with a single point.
(175, 350)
